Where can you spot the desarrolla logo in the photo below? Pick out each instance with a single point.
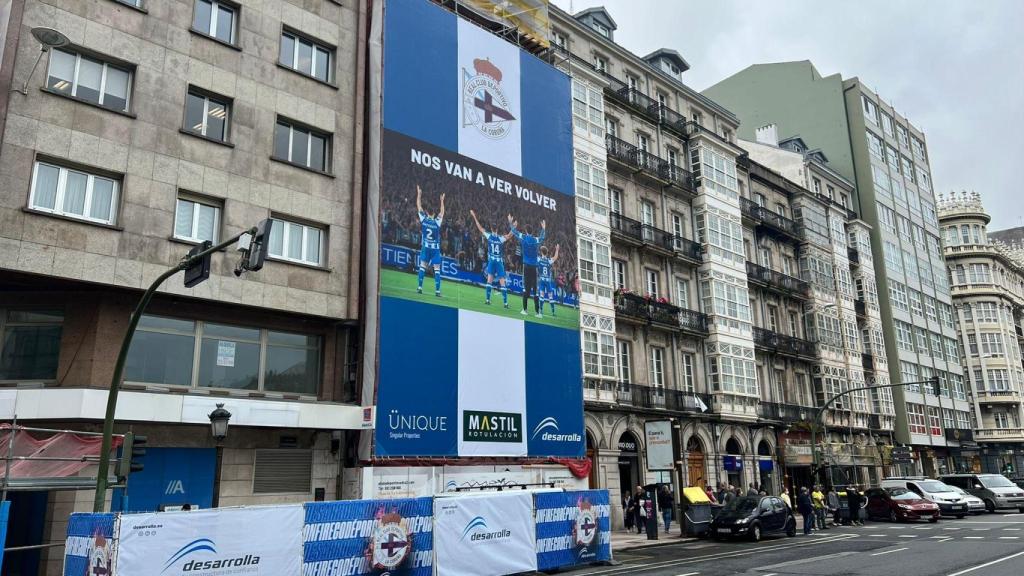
(547, 430)
(476, 530)
(198, 564)
(478, 426)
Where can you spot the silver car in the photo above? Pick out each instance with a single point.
(975, 505)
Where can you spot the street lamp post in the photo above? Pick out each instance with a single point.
(102, 476)
(934, 381)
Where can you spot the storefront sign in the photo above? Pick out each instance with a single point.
(732, 463)
(959, 435)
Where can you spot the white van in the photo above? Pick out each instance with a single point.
(950, 503)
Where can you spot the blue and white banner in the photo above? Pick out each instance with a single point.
(573, 528)
(369, 537)
(485, 534)
(478, 345)
(256, 541)
(89, 548)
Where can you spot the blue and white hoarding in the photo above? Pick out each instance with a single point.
(89, 545)
(478, 347)
(573, 528)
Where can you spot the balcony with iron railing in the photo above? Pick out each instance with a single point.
(783, 344)
(687, 249)
(784, 412)
(634, 160)
(637, 233)
(777, 281)
(631, 307)
(641, 396)
(649, 107)
(998, 396)
(984, 434)
(771, 221)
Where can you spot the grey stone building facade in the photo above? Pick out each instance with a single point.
(161, 124)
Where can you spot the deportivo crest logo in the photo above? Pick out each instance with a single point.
(584, 529)
(98, 556)
(390, 542)
(484, 103)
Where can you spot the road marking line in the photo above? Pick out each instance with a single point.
(980, 529)
(946, 539)
(938, 536)
(1012, 529)
(908, 535)
(877, 535)
(950, 528)
(689, 574)
(889, 551)
(973, 538)
(923, 528)
(986, 564)
(769, 574)
(1009, 537)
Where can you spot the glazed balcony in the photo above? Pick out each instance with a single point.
(853, 254)
(782, 344)
(861, 308)
(777, 281)
(868, 362)
(770, 221)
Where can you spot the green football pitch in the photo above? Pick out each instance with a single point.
(471, 297)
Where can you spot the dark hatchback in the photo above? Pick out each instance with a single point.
(753, 517)
(900, 505)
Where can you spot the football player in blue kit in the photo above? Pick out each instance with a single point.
(529, 244)
(546, 267)
(430, 243)
(495, 268)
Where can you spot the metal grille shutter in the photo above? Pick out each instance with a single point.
(285, 470)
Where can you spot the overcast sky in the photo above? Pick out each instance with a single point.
(954, 68)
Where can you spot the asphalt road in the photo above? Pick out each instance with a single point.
(985, 545)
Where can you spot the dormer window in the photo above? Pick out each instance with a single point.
(602, 29)
(600, 64)
(559, 39)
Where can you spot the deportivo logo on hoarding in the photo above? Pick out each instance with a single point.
(476, 531)
(484, 103)
(584, 529)
(552, 423)
(390, 542)
(480, 426)
(99, 556)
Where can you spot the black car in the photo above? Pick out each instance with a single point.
(753, 517)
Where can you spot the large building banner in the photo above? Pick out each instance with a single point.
(478, 333)
(485, 535)
(573, 528)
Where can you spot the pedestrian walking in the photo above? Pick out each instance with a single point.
(627, 510)
(806, 509)
(785, 497)
(818, 499)
(751, 491)
(832, 501)
(640, 510)
(665, 504)
(853, 502)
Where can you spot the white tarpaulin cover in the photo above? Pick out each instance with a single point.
(259, 541)
(484, 535)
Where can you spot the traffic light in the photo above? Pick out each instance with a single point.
(199, 271)
(133, 452)
(934, 380)
(258, 246)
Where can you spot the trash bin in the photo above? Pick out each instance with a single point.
(696, 511)
(844, 507)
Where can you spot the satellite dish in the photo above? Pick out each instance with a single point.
(49, 37)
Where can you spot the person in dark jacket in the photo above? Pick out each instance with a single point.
(853, 500)
(639, 511)
(752, 491)
(665, 505)
(627, 510)
(806, 509)
(832, 502)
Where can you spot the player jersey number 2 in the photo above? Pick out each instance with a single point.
(430, 241)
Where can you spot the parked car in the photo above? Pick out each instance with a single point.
(753, 517)
(949, 502)
(975, 505)
(996, 490)
(900, 505)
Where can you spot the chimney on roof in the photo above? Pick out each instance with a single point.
(767, 134)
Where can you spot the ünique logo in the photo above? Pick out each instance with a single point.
(412, 426)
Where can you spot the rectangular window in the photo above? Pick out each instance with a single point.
(794, 325)
(207, 116)
(904, 336)
(992, 344)
(196, 220)
(164, 351)
(816, 185)
(901, 133)
(915, 418)
(724, 234)
(998, 380)
(986, 312)
(30, 344)
(89, 79)
(216, 19)
(302, 146)
(307, 56)
(657, 367)
(616, 200)
(625, 365)
(588, 109)
(887, 125)
(678, 230)
(296, 242)
(875, 146)
(595, 268)
(898, 293)
(74, 193)
(1001, 419)
(728, 302)
(688, 378)
(870, 110)
(619, 274)
(715, 171)
(651, 277)
(682, 293)
(918, 146)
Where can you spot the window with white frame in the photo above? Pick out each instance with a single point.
(986, 312)
(657, 367)
(979, 273)
(892, 158)
(600, 63)
(559, 39)
(207, 115)
(930, 311)
(595, 267)
(688, 374)
(216, 19)
(908, 373)
(898, 294)
(904, 336)
(992, 344)
(828, 328)
(916, 307)
(682, 293)
(198, 354)
(881, 180)
(727, 300)
(30, 343)
(936, 344)
(678, 228)
(958, 386)
(1001, 419)
(715, 171)
(901, 133)
(625, 364)
(921, 339)
(887, 124)
(952, 353)
(598, 353)
(870, 110)
(302, 146)
(651, 282)
(732, 370)
(307, 56)
(724, 234)
(616, 200)
(998, 379)
(74, 193)
(89, 79)
(918, 147)
(295, 242)
(196, 220)
(915, 418)
(619, 274)
(875, 146)
(587, 109)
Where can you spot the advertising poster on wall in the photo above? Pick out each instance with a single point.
(478, 343)
(658, 437)
(89, 547)
(486, 534)
(257, 541)
(369, 537)
(573, 528)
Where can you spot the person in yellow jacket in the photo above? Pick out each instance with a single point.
(819, 506)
